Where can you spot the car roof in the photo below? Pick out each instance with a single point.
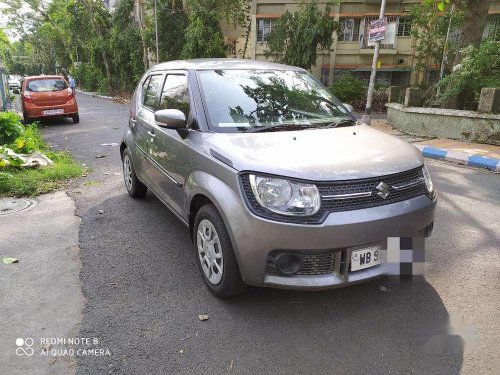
(29, 78)
(222, 63)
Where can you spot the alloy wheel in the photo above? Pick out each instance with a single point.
(127, 172)
(210, 251)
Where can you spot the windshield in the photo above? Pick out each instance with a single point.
(252, 100)
(47, 85)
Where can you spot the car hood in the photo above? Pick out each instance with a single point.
(317, 154)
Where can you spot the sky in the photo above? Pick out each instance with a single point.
(3, 22)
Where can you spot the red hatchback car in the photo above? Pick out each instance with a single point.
(48, 96)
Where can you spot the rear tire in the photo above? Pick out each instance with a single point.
(76, 118)
(26, 118)
(212, 245)
(135, 188)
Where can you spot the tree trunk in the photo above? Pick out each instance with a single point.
(140, 20)
(476, 15)
(475, 18)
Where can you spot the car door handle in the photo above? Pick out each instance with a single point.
(152, 134)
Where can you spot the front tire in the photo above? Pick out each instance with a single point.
(215, 255)
(135, 188)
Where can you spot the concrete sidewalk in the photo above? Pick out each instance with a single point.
(471, 154)
(40, 296)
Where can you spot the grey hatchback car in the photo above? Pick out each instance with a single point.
(276, 181)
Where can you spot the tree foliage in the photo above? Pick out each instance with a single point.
(429, 20)
(348, 88)
(109, 52)
(296, 37)
(480, 67)
(203, 34)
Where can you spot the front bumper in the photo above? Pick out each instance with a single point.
(254, 238)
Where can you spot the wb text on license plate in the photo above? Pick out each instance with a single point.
(366, 257)
(53, 112)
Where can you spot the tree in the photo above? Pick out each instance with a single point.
(99, 19)
(475, 18)
(125, 37)
(296, 37)
(203, 35)
(430, 20)
(480, 67)
(172, 24)
(5, 49)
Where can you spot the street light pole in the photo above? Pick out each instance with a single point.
(366, 119)
(156, 32)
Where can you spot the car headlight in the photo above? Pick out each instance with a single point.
(285, 197)
(428, 181)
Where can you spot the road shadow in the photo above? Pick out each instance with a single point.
(144, 294)
(54, 121)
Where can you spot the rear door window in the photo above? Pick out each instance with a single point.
(46, 85)
(151, 92)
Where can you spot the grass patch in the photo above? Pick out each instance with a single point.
(17, 181)
(91, 183)
(31, 182)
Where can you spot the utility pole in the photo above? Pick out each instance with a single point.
(367, 117)
(445, 49)
(156, 32)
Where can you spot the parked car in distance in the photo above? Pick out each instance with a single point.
(48, 96)
(14, 84)
(276, 181)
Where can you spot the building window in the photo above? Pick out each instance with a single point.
(492, 30)
(264, 27)
(349, 29)
(404, 27)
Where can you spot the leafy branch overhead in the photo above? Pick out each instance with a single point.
(109, 51)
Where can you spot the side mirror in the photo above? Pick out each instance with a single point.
(170, 119)
(15, 91)
(348, 106)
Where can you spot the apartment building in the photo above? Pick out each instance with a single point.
(351, 51)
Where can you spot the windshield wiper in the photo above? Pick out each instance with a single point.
(341, 123)
(280, 127)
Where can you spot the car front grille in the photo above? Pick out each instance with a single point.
(312, 264)
(337, 196)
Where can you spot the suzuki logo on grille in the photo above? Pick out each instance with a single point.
(383, 190)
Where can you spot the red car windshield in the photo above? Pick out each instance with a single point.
(46, 85)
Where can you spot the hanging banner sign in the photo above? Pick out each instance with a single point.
(377, 30)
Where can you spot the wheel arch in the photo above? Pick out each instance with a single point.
(202, 188)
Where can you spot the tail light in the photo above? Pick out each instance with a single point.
(27, 97)
(70, 94)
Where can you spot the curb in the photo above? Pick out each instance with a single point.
(476, 161)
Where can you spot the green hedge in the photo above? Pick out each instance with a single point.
(348, 88)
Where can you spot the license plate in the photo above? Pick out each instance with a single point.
(366, 257)
(53, 111)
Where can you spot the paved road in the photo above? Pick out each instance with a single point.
(144, 293)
